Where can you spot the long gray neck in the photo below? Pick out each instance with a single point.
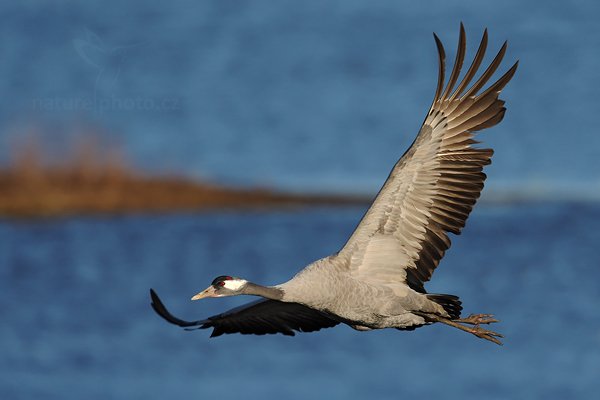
(268, 292)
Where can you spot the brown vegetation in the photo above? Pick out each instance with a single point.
(92, 181)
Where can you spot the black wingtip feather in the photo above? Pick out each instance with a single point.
(260, 317)
(487, 74)
(458, 62)
(161, 310)
(442, 67)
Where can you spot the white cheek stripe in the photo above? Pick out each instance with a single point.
(234, 284)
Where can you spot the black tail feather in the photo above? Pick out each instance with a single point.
(451, 304)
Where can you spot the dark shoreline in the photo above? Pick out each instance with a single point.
(55, 193)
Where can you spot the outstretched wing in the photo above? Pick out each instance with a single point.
(259, 318)
(434, 186)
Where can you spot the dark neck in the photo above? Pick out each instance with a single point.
(268, 292)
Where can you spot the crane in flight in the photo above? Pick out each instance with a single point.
(377, 279)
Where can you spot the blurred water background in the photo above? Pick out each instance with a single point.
(319, 96)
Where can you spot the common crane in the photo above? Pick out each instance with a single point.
(377, 279)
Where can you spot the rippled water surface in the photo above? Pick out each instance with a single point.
(300, 95)
(77, 321)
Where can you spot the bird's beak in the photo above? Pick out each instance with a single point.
(208, 292)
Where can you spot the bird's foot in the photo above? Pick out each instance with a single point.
(485, 334)
(474, 320)
(478, 319)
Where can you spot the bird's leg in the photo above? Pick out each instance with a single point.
(475, 330)
(477, 319)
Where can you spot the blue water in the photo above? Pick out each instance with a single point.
(77, 321)
(303, 95)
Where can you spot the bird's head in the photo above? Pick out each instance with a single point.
(222, 286)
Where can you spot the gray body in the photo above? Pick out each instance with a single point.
(326, 285)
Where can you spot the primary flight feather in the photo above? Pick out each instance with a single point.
(377, 279)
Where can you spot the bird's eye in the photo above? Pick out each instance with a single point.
(222, 283)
